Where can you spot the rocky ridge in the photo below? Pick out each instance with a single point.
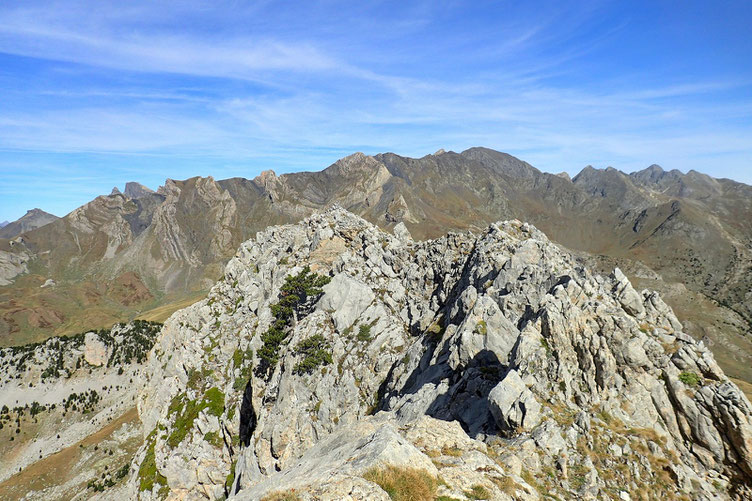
(34, 218)
(685, 229)
(495, 363)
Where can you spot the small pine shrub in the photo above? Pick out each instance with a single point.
(316, 351)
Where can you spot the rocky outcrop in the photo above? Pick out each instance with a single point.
(496, 362)
(12, 264)
(136, 190)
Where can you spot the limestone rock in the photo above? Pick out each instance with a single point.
(513, 405)
(95, 351)
(480, 358)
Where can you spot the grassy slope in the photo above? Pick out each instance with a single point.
(70, 469)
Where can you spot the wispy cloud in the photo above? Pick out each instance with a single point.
(224, 88)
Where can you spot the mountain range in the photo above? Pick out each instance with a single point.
(145, 253)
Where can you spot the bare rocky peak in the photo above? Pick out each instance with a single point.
(34, 218)
(495, 361)
(266, 177)
(353, 164)
(502, 162)
(269, 182)
(135, 190)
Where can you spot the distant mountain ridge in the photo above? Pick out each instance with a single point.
(687, 229)
(34, 218)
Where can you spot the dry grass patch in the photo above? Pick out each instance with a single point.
(404, 484)
(290, 495)
(451, 451)
(507, 485)
(478, 492)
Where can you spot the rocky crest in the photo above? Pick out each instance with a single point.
(495, 362)
(683, 229)
(34, 218)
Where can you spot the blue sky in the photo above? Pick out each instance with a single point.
(94, 94)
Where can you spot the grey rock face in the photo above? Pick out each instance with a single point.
(136, 190)
(513, 405)
(494, 360)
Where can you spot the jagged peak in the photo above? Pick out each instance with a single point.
(266, 177)
(136, 190)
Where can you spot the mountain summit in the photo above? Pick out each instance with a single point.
(34, 218)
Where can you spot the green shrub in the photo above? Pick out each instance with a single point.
(296, 299)
(690, 378)
(364, 333)
(316, 351)
(481, 328)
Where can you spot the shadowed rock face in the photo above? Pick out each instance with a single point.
(495, 360)
(684, 228)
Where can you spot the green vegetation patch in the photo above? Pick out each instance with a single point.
(316, 351)
(214, 438)
(148, 474)
(478, 492)
(186, 412)
(364, 333)
(238, 357)
(481, 328)
(690, 378)
(230, 478)
(296, 299)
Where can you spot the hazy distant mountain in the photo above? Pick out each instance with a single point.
(4, 224)
(35, 218)
(667, 227)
